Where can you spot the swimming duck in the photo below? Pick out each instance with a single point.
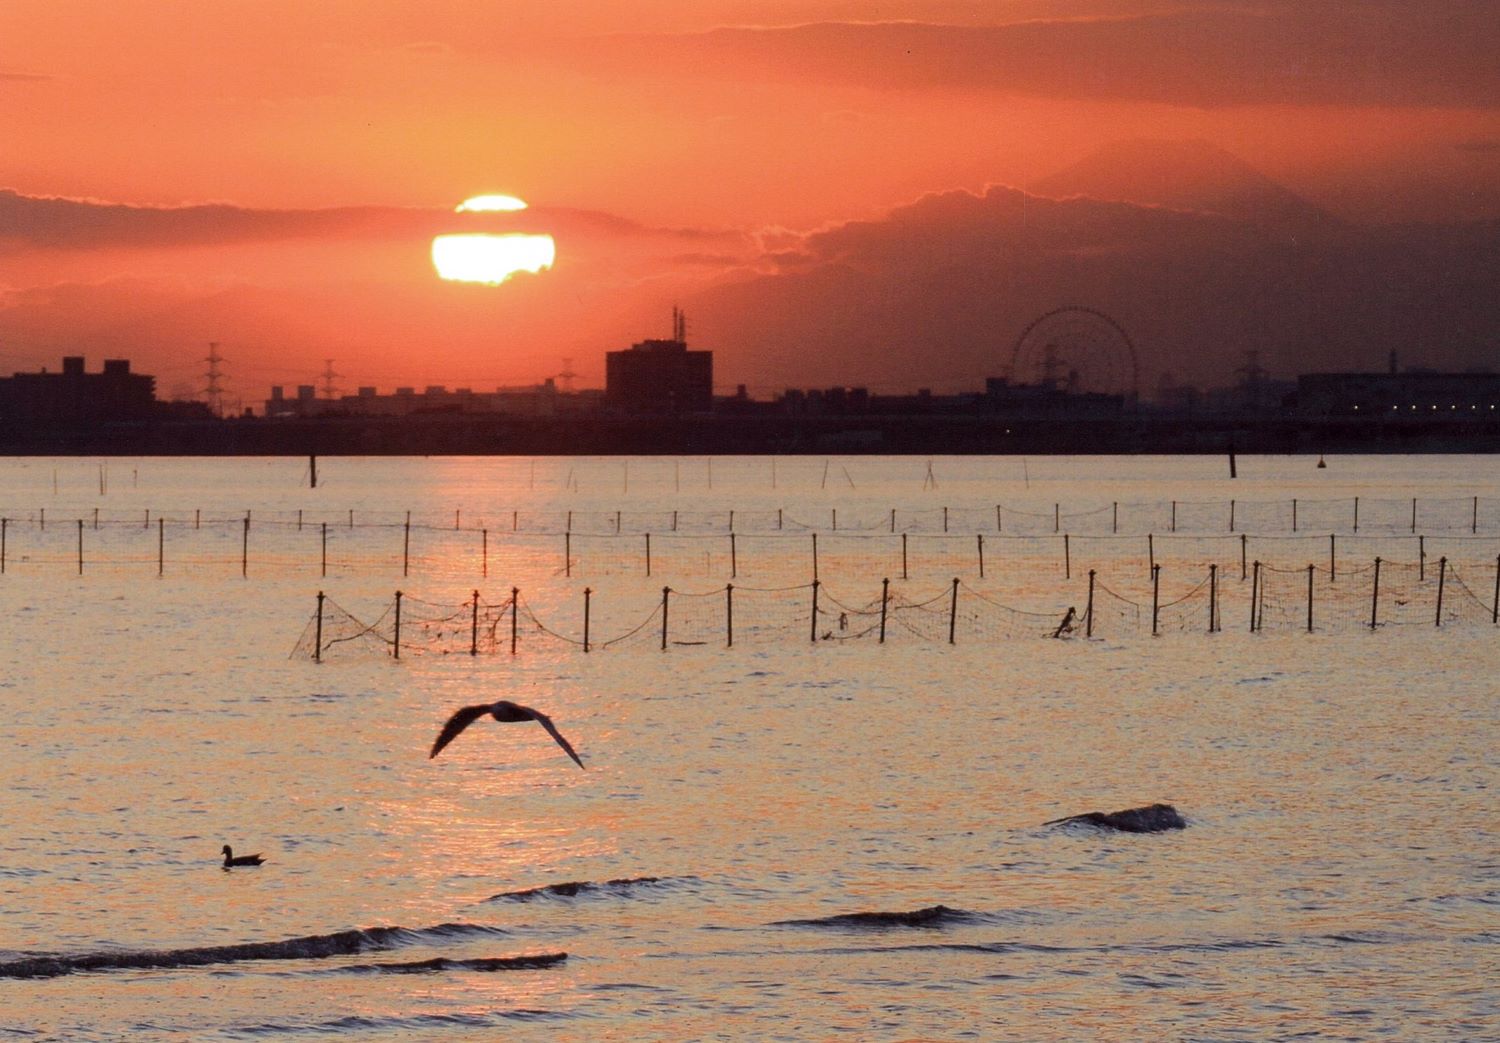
(505, 712)
(242, 860)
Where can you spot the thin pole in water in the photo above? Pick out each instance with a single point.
(1442, 572)
(1309, 598)
(406, 547)
(903, 556)
(474, 625)
(245, 549)
(814, 621)
(1254, 592)
(815, 557)
(885, 597)
(665, 591)
(980, 539)
(318, 632)
(729, 614)
(161, 545)
(734, 560)
(1375, 596)
(324, 561)
(396, 642)
(1155, 597)
(80, 546)
(953, 611)
(515, 612)
(484, 553)
(587, 593)
(648, 555)
(1213, 597)
(1088, 612)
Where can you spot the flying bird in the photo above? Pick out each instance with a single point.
(505, 712)
(242, 860)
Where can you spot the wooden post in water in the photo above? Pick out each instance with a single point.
(1155, 597)
(1114, 523)
(515, 613)
(665, 591)
(1088, 613)
(456, 513)
(1213, 597)
(1474, 525)
(1056, 518)
(1309, 598)
(1495, 612)
(351, 517)
(42, 518)
(734, 559)
(318, 632)
(474, 625)
(903, 556)
(835, 515)
(893, 519)
(5, 524)
(245, 549)
(80, 546)
(945, 519)
(814, 624)
(1356, 514)
(1174, 515)
(953, 612)
(406, 547)
(1333, 557)
(1244, 551)
(980, 538)
(815, 557)
(674, 521)
(161, 545)
(586, 595)
(1254, 591)
(484, 553)
(885, 597)
(1294, 514)
(648, 555)
(312, 465)
(1422, 557)
(1231, 515)
(1375, 596)
(1067, 558)
(96, 519)
(1442, 572)
(1233, 472)
(729, 615)
(778, 519)
(568, 554)
(396, 643)
(1413, 514)
(999, 525)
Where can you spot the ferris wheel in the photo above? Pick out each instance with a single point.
(1078, 350)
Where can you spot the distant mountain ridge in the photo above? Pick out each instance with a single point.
(1186, 175)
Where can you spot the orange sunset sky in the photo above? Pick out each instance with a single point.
(876, 193)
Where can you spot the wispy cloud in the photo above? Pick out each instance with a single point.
(1377, 53)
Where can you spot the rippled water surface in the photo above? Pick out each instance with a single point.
(743, 807)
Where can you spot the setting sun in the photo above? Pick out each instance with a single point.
(491, 258)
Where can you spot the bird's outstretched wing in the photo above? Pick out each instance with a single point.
(546, 722)
(460, 720)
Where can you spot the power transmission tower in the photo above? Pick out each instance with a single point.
(328, 376)
(214, 391)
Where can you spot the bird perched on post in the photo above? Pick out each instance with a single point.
(242, 860)
(505, 712)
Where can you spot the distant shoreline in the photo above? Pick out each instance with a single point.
(468, 435)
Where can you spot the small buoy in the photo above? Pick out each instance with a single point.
(1321, 463)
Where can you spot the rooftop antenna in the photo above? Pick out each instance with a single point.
(214, 391)
(567, 376)
(328, 375)
(679, 325)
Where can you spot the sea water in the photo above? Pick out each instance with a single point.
(784, 839)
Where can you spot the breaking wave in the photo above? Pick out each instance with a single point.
(313, 947)
(932, 916)
(623, 885)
